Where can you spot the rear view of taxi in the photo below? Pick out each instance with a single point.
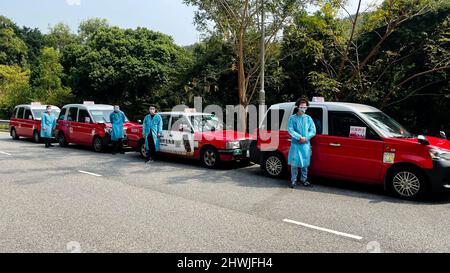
(26, 120)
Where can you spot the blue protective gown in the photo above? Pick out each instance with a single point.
(300, 154)
(48, 124)
(154, 125)
(117, 120)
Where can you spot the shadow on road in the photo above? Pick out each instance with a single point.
(227, 173)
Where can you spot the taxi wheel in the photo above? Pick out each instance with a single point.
(273, 165)
(210, 157)
(14, 134)
(407, 183)
(36, 137)
(142, 151)
(98, 145)
(62, 140)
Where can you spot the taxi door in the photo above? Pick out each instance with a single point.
(71, 124)
(352, 150)
(83, 131)
(19, 121)
(27, 123)
(165, 141)
(183, 136)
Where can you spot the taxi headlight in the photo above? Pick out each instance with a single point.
(440, 154)
(231, 145)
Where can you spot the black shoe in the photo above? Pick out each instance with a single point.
(307, 184)
(292, 186)
(122, 153)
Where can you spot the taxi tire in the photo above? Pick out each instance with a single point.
(62, 140)
(141, 149)
(213, 152)
(36, 137)
(415, 174)
(98, 147)
(14, 134)
(274, 158)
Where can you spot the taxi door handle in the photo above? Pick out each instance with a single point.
(335, 145)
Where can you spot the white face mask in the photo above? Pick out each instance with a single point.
(49, 110)
(116, 109)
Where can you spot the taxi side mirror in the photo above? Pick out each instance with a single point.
(423, 140)
(30, 117)
(87, 120)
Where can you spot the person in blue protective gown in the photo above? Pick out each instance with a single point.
(117, 119)
(152, 131)
(302, 129)
(48, 125)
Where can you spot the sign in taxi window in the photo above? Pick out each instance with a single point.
(358, 132)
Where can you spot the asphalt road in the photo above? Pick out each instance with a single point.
(72, 199)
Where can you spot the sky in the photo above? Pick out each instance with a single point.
(171, 17)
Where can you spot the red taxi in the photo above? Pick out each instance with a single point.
(358, 143)
(87, 124)
(198, 136)
(26, 120)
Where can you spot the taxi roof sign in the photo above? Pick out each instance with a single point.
(190, 110)
(88, 102)
(36, 103)
(318, 99)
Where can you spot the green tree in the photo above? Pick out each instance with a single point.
(60, 36)
(14, 88)
(90, 26)
(213, 73)
(131, 67)
(46, 79)
(238, 22)
(13, 50)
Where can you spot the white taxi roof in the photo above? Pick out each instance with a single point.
(91, 106)
(333, 106)
(36, 106)
(184, 113)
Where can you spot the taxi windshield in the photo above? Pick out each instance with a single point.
(37, 113)
(206, 123)
(102, 116)
(388, 125)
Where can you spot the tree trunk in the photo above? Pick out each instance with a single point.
(242, 86)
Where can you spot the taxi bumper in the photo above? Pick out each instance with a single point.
(439, 176)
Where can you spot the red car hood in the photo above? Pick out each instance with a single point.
(434, 142)
(126, 125)
(439, 142)
(223, 135)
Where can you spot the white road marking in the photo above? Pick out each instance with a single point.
(89, 173)
(323, 229)
(5, 153)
